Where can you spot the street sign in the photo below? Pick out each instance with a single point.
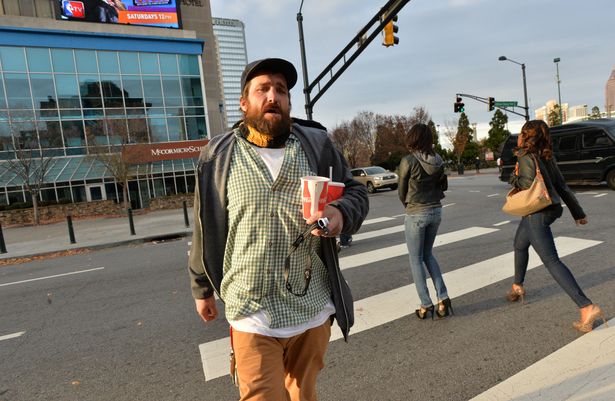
(506, 104)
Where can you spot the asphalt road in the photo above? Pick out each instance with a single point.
(124, 327)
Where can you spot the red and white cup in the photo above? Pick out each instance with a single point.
(314, 194)
(334, 190)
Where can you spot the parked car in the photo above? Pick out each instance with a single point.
(585, 152)
(375, 177)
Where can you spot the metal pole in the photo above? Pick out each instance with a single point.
(2, 244)
(559, 95)
(527, 109)
(306, 92)
(186, 221)
(71, 231)
(131, 222)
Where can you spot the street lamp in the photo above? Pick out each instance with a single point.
(527, 110)
(559, 95)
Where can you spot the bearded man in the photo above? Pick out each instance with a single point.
(280, 292)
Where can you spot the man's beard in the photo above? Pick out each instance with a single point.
(271, 128)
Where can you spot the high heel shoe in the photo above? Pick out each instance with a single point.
(422, 312)
(444, 308)
(587, 325)
(516, 292)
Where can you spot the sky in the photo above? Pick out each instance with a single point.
(445, 47)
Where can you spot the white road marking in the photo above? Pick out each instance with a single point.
(600, 195)
(377, 255)
(400, 215)
(14, 335)
(587, 193)
(501, 223)
(377, 233)
(54, 276)
(449, 204)
(378, 220)
(492, 195)
(474, 191)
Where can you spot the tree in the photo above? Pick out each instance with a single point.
(436, 139)
(356, 139)
(497, 133)
(460, 137)
(553, 117)
(113, 156)
(31, 166)
(595, 113)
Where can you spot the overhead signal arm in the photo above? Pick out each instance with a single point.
(353, 49)
(489, 101)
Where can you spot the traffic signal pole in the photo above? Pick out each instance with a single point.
(486, 100)
(342, 61)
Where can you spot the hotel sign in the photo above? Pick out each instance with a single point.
(152, 152)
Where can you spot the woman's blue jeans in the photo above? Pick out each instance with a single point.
(421, 230)
(535, 230)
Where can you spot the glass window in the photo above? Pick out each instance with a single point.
(38, 59)
(155, 111)
(172, 93)
(25, 132)
(62, 60)
(86, 61)
(149, 63)
(22, 115)
(2, 97)
(43, 92)
(191, 90)
(152, 91)
(107, 62)
(137, 130)
(176, 129)
(133, 92)
(595, 139)
(158, 130)
(95, 132)
(19, 88)
(189, 65)
(68, 90)
(129, 63)
(567, 143)
(73, 133)
(89, 87)
(12, 58)
(168, 64)
(196, 127)
(50, 134)
(117, 130)
(112, 90)
(46, 114)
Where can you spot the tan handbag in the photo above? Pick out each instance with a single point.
(521, 202)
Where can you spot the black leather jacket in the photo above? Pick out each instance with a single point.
(417, 188)
(556, 185)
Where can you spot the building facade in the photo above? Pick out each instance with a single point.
(609, 96)
(71, 91)
(542, 113)
(233, 57)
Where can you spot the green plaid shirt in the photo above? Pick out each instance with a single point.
(264, 219)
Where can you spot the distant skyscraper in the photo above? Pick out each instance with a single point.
(233, 58)
(609, 95)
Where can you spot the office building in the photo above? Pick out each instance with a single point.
(75, 79)
(609, 96)
(231, 43)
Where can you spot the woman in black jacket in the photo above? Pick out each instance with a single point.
(421, 185)
(534, 144)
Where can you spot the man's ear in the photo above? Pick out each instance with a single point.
(243, 104)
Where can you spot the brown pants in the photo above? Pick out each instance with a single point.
(280, 369)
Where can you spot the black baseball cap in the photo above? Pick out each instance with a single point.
(271, 65)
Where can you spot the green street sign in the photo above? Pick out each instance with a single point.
(506, 104)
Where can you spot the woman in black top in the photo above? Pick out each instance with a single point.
(534, 144)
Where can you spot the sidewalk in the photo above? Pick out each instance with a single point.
(29, 241)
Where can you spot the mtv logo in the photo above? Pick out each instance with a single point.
(73, 9)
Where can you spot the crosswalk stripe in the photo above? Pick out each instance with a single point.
(377, 255)
(501, 223)
(14, 335)
(385, 307)
(377, 220)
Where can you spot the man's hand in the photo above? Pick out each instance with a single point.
(336, 221)
(581, 222)
(206, 308)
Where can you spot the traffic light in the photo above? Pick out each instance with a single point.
(389, 31)
(459, 106)
(491, 103)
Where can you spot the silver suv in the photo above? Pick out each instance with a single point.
(375, 177)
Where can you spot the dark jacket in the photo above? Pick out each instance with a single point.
(556, 185)
(211, 218)
(422, 181)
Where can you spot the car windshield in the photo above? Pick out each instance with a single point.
(375, 170)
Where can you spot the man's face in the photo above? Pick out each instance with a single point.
(267, 105)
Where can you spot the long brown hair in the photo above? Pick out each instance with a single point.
(419, 138)
(536, 139)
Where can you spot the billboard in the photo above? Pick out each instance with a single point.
(160, 13)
